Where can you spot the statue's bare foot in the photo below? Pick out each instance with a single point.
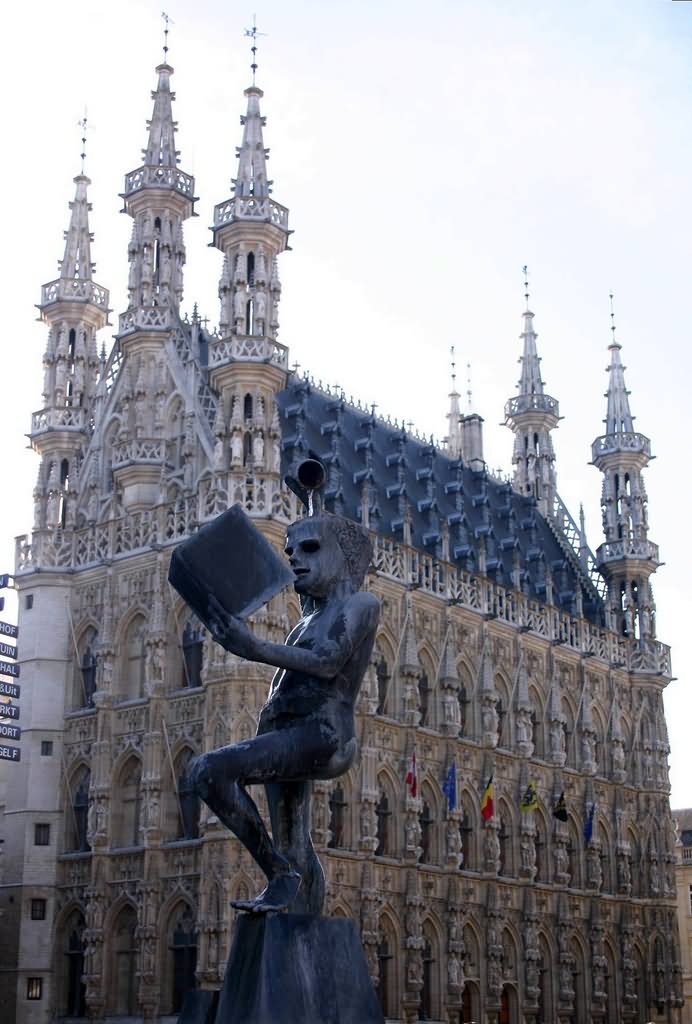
(278, 895)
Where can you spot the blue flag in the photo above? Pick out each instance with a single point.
(588, 825)
(450, 786)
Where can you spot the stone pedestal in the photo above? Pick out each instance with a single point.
(285, 968)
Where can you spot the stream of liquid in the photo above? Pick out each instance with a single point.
(310, 508)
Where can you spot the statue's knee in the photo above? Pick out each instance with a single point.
(200, 775)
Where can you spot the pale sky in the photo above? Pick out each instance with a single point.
(426, 152)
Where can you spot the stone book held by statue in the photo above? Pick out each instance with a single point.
(230, 559)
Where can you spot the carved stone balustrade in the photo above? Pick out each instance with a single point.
(74, 290)
(144, 318)
(534, 403)
(247, 349)
(139, 449)
(608, 443)
(65, 418)
(613, 551)
(251, 208)
(154, 176)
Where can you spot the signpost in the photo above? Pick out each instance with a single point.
(8, 690)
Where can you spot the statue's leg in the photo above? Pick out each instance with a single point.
(290, 805)
(219, 778)
(216, 778)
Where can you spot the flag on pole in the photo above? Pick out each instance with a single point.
(487, 809)
(588, 825)
(560, 808)
(529, 801)
(450, 787)
(412, 776)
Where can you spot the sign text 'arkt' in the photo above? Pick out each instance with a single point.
(8, 668)
(9, 690)
(9, 629)
(9, 711)
(10, 732)
(10, 753)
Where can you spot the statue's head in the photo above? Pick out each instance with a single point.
(325, 550)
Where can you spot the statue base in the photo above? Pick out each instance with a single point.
(285, 968)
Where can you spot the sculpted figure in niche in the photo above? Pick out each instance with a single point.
(306, 728)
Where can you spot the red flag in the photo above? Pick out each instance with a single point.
(487, 807)
(412, 776)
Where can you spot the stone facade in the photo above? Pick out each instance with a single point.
(504, 647)
(683, 880)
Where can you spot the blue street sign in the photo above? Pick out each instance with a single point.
(9, 629)
(10, 754)
(9, 689)
(8, 668)
(5, 580)
(7, 650)
(9, 711)
(10, 732)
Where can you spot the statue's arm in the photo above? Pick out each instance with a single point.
(326, 655)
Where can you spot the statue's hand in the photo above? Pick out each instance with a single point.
(230, 631)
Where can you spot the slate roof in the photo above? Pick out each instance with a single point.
(407, 476)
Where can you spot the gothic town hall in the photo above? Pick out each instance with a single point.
(528, 874)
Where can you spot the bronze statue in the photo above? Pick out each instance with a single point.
(306, 727)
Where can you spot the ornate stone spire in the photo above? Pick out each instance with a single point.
(74, 308)
(159, 197)
(251, 230)
(627, 558)
(531, 415)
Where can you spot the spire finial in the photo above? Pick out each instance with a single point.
(454, 367)
(82, 123)
(469, 390)
(612, 319)
(253, 33)
(525, 270)
(167, 21)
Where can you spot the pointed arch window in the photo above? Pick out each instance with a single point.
(183, 950)
(384, 831)
(426, 995)
(135, 659)
(385, 980)
(123, 994)
(193, 654)
(337, 809)
(77, 822)
(383, 677)
(424, 698)
(189, 804)
(75, 1005)
(426, 822)
(462, 698)
(504, 836)
(250, 269)
(128, 806)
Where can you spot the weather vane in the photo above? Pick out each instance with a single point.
(253, 33)
(82, 123)
(168, 21)
(526, 284)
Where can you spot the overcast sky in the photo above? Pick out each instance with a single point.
(426, 152)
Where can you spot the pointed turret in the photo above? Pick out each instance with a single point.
(627, 558)
(74, 308)
(250, 229)
(159, 197)
(531, 415)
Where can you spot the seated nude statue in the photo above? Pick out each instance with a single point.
(306, 728)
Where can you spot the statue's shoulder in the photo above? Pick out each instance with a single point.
(364, 603)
